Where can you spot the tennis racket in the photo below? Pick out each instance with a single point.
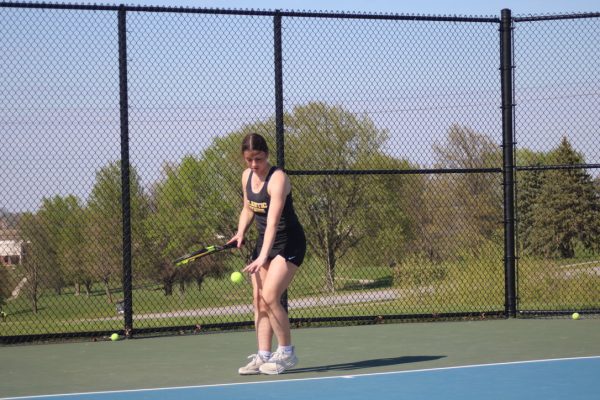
(183, 260)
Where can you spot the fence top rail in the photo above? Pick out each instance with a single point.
(537, 18)
(292, 13)
(251, 12)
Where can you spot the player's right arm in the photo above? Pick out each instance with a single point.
(246, 215)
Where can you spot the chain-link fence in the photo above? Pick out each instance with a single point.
(398, 134)
(557, 95)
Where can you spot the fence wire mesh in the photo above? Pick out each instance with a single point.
(393, 143)
(558, 155)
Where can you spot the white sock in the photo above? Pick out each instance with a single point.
(286, 349)
(264, 354)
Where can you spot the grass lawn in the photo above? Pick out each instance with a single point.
(417, 288)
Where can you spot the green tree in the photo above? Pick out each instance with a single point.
(469, 205)
(201, 198)
(52, 245)
(104, 254)
(529, 187)
(63, 217)
(567, 210)
(196, 204)
(38, 255)
(390, 205)
(338, 211)
(222, 186)
(435, 224)
(529, 184)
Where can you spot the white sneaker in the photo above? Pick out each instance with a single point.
(278, 363)
(252, 368)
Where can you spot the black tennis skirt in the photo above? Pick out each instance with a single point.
(291, 246)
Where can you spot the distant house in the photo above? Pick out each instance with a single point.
(11, 247)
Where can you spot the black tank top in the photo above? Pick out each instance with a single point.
(259, 203)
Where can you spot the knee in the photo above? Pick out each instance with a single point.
(270, 298)
(259, 303)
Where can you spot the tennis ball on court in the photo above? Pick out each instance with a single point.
(236, 277)
(114, 336)
(575, 315)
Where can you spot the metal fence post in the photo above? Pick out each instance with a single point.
(279, 128)
(508, 143)
(125, 195)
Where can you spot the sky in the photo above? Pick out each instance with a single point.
(429, 7)
(192, 79)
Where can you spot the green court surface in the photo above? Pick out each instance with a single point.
(209, 359)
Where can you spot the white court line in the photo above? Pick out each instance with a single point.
(306, 379)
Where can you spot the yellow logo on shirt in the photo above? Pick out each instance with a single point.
(259, 208)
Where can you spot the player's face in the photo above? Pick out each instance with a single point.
(257, 161)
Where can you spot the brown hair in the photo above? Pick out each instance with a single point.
(254, 142)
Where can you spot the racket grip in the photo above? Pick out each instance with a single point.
(231, 245)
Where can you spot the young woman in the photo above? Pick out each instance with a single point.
(279, 252)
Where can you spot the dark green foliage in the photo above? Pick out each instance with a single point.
(560, 208)
(529, 185)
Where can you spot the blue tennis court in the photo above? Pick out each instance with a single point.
(573, 378)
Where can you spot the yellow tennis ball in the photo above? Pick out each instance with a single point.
(114, 336)
(236, 277)
(575, 315)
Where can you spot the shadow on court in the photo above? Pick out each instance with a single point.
(378, 362)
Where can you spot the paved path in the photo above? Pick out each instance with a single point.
(306, 302)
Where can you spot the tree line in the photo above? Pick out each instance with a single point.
(373, 219)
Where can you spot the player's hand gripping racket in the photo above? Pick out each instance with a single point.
(203, 252)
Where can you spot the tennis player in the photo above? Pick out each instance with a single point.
(279, 252)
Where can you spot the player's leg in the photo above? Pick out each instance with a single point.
(264, 332)
(279, 276)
